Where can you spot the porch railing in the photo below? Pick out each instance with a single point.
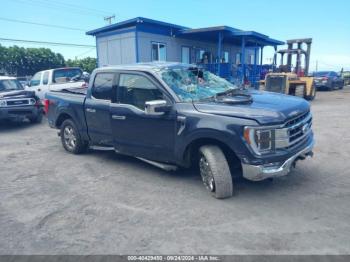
(234, 73)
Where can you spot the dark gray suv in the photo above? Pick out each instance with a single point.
(328, 80)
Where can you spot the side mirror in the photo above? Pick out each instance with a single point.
(156, 107)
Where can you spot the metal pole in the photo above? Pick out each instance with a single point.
(255, 60)
(219, 52)
(243, 59)
(307, 60)
(289, 56)
(261, 60)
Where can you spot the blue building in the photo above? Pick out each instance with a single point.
(229, 52)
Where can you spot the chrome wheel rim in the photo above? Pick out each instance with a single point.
(69, 137)
(206, 174)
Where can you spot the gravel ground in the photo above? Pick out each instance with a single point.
(53, 202)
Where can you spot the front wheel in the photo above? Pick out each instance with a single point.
(37, 118)
(71, 139)
(215, 171)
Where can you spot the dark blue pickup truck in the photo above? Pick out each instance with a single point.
(175, 115)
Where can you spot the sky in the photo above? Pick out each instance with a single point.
(327, 22)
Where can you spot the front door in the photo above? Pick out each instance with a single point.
(135, 132)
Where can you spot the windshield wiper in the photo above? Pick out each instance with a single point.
(227, 92)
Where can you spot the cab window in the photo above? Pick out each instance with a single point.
(136, 90)
(103, 84)
(35, 81)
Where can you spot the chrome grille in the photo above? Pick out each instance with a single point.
(294, 131)
(17, 102)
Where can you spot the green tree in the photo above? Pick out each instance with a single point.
(87, 64)
(21, 61)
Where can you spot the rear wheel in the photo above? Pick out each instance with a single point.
(71, 139)
(215, 171)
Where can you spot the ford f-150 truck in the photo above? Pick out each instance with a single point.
(16, 103)
(176, 115)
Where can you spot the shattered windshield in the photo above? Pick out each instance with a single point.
(193, 84)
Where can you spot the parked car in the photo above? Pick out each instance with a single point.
(56, 79)
(346, 77)
(328, 80)
(16, 103)
(175, 115)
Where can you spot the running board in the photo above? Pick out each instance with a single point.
(102, 148)
(166, 167)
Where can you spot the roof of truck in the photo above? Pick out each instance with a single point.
(147, 66)
(7, 78)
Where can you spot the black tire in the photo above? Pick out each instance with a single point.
(37, 119)
(71, 139)
(212, 162)
(312, 95)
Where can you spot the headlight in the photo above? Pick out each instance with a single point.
(260, 140)
(3, 103)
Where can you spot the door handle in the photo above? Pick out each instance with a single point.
(90, 110)
(116, 117)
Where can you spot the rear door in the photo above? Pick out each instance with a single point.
(97, 109)
(135, 132)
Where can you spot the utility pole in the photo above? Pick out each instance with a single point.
(316, 65)
(109, 19)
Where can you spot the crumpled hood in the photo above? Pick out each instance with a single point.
(267, 108)
(17, 94)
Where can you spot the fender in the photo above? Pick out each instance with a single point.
(81, 124)
(228, 137)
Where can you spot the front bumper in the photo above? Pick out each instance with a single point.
(19, 112)
(261, 172)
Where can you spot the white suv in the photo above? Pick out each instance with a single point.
(56, 79)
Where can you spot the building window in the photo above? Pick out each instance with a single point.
(225, 57)
(238, 58)
(203, 56)
(158, 52)
(251, 59)
(185, 55)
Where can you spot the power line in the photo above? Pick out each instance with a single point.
(86, 52)
(46, 43)
(80, 7)
(53, 6)
(41, 24)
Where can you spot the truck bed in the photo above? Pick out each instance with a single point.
(70, 101)
(76, 91)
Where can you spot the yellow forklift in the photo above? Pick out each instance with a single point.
(291, 82)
